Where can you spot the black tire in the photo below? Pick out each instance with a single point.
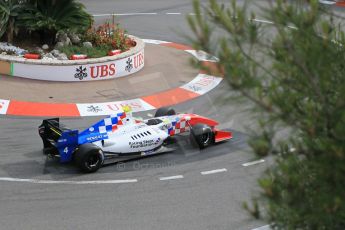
(89, 158)
(165, 111)
(203, 135)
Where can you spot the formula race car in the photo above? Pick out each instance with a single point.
(122, 135)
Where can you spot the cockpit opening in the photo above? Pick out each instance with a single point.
(154, 121)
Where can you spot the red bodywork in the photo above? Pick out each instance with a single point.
(220, 135)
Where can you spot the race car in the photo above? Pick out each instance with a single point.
(122, 135)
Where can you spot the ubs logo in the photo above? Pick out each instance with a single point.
(129, 66)
(81, 73)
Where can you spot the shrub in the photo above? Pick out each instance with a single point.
(110, 35)
(9, 10)
(293, 78)
(47, 17)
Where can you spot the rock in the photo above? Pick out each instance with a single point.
(58, 45)
(10, 49)
(67, 42)
(3, 53)
(62, 56)
(55, 53)
(49, 56)
(74, 38)
(63, 38)
(39, 50)
(22, 53)
(87, 44)
(45, 47)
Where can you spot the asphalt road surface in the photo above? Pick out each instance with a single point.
(187, 189)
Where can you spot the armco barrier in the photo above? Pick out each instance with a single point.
(93, 69)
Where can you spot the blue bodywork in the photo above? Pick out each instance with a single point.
(71, 139)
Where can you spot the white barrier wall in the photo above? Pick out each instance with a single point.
(81, 72)
(93, 69)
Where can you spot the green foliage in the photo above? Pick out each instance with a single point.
(306, 194)
(295, 79)
(50, 15)
(9, 10)
(94, 52)
(44, 16)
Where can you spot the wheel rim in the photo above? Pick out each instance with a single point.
(92, 161)
(205, 138)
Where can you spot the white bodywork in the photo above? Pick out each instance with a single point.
(137, 136)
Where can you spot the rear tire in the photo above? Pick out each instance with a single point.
(203, 135)
(89, 158)
(165, 111)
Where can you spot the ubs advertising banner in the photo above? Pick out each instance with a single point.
(82, 72)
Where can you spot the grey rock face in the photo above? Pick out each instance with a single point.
(39, 50)
(45, 47)
(74, 38)
(48, 56)
(87, 44)
(58, 45)
(62, 56)
(63, 38)
(67, 42)
(9, 48)
(55, 53)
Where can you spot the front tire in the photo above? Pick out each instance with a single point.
(89, 158)
(203, 135)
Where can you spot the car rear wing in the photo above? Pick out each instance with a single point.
(57, 139)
